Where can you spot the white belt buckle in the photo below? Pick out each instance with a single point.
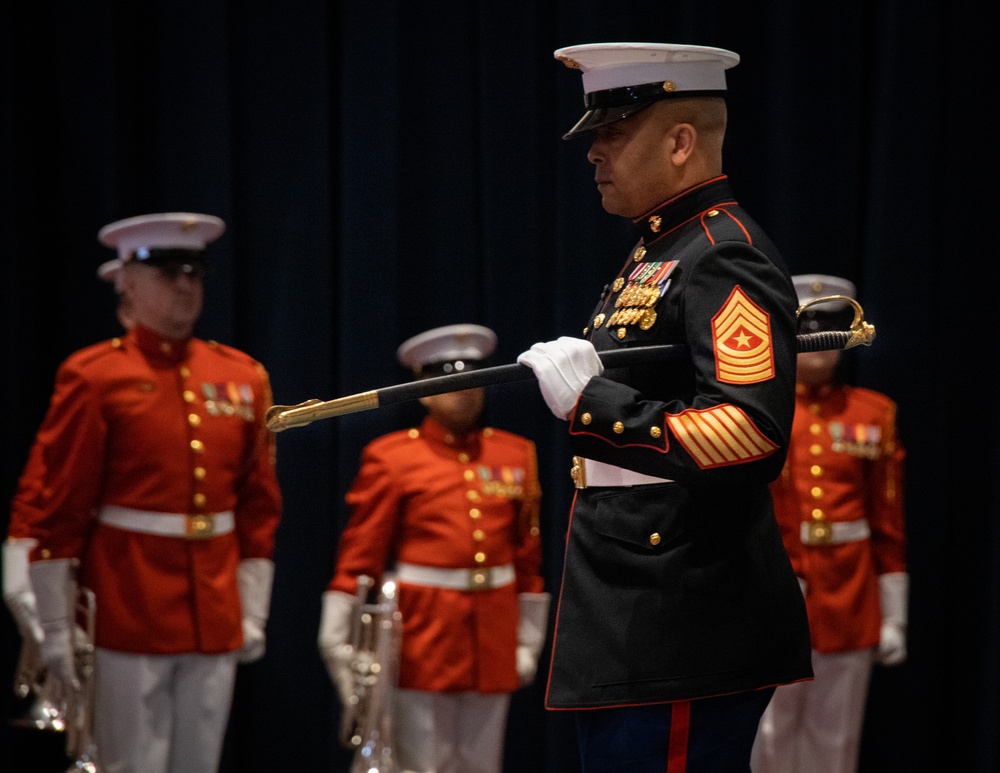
(200, 526)
(820, 533)
(480, 579)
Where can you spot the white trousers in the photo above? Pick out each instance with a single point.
(161, 713)
(815, 727)
(437, 732)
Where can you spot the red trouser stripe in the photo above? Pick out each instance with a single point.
(680, 726)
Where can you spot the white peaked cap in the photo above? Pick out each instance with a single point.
(165, 230)
(451, 343)
(809, 287)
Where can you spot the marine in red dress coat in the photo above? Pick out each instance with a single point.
(427, 497)
(148, 424)
(839, 503)
(152, 483)
(451, 511)
(844, 466)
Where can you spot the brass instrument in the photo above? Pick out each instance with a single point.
(32, 679)
(80, 745)
(366, 724)
(59, 707)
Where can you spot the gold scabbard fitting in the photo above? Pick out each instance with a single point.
(281, 417)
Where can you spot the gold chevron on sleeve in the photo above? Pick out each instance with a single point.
(741, 337)
(719, 436)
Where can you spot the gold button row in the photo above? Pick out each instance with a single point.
(199, 472)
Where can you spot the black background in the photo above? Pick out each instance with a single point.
(386, 167)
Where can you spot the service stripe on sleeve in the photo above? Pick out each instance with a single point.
(720, 435)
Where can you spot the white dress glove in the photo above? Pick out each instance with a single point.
(533, 622)
(334, 641)
(54, 584)
(563, 367)
(17, 592)
(894, 590)
(255, 577)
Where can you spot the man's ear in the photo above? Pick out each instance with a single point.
(683, 137)
(125, 280)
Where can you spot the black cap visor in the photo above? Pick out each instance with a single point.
(604, 107)
(172, 261)
(602, 116)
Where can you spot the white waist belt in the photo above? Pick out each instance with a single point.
(197, 526)
(587, 472)
(833, 533)
(456, 579)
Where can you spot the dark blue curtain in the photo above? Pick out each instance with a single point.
(385, 167)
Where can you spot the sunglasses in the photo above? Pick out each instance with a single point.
(173, 263)
(174, 270)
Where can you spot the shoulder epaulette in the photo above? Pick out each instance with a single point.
(877, 400)
(90, 354)
(236, 354)
(508, 438)
(722, 224)
(393, 440)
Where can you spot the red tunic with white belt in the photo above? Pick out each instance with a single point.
(165, 427)
(429, 498)
(844, 465)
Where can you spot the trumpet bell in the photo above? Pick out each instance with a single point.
(44, 714)
(85, 763)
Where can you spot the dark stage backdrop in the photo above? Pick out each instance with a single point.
(385, 167)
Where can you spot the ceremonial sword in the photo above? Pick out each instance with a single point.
(280, 417)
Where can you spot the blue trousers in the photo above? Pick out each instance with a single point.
(709, 735)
